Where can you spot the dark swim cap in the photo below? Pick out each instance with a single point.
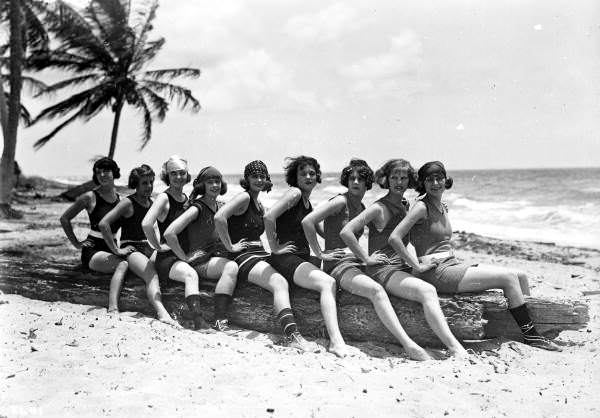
(432, 167)
(256, 167)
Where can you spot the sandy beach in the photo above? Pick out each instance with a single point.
(63, 359)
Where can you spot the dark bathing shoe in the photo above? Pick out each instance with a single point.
(540, 342)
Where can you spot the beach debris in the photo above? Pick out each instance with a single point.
(32, 335)
(33, 349)
(590, 292)
(73, 344)
(59, 322)
(4, 302)
(270, 410)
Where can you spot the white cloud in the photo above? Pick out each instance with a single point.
(460, 127)
(538, 27)
(391, 73)
(326, 25)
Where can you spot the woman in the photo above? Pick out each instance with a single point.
(338, 260)
(240, 224)
(290, 252)
(129, 213)
(95, 254)
(193, 239)
(430, 234)
(383, 265)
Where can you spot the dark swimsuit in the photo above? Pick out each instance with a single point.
(289, 229)
(249, 226)
(95, 243)
(378, 241)
(131, 229)
(332, 226)
(432, 235)
(166, 259)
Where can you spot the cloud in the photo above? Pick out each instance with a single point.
(326, 25)
(255, 79)
(390, 73)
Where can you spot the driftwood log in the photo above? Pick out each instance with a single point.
(471, 317)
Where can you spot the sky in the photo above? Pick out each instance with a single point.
(475, 84)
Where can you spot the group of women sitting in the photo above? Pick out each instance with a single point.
(188, 239)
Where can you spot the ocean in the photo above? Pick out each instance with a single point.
(560, 206)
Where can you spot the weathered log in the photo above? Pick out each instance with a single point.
(470, 317)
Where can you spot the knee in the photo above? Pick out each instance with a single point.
(328, 284)
(279, 283)
(190, 277)
(428, 293)
(510, 281)
(377, 293)
(123, 265)
(231, 269)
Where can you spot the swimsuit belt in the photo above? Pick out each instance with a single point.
(438, 256)
(95, 234)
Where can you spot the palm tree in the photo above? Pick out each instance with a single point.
(107, 46)
(26, 31)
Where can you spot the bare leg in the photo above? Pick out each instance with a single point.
(142, 267)
(484, 277)
(405, 286)
(184, 273)
(362, 285)
(310, 277)
(265, 276)
(105, 262)
(226, 271)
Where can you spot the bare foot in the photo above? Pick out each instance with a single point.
(417, 353)
(112, 312)
(339, 349)
(166, 318)
(459, 352)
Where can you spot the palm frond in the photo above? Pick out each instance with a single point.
(75, 101)
(72, 82)
(182, 95)
(172, 73)
(147, 54)
(158, 105)
(44, 140)
(138, 101)
(33, 85)
(25, 116)
(62, 60)
(145, 27)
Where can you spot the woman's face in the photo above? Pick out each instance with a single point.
(212, 187)
(307, 177)
(398, 181)
(356, 184)
(145, 186)
(178, 174)
(435, 184)
(256, 182)
(104, 176)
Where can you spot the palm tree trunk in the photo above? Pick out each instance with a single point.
(3, 111)
(115, 129)
(7, 161)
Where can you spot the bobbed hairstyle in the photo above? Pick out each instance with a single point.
(296, 163)
(204, 175)
(429, 168)
(382, 175)
(164, 171)
(137, 173)
(256, 167)
(362, 168)
(106, 163)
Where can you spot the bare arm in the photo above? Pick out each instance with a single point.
(289, 199)
(159, 209)
(177, 227)
(236, 206)
(124, 209)
(311, 223)
(347, 234)
(416, 213)
(83, 202)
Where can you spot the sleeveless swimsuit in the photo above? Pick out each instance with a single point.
(289, 229)
(248, 225)
(378, 241)
(432, 235)
(166, 259)
(131, 229)
(94, 242)
(332, 226)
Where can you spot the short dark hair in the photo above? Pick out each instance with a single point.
(137, 173)
(106, 163)
(205, 175)
(382, 175)
(296, 163)
(362, 168)
(428, 168)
